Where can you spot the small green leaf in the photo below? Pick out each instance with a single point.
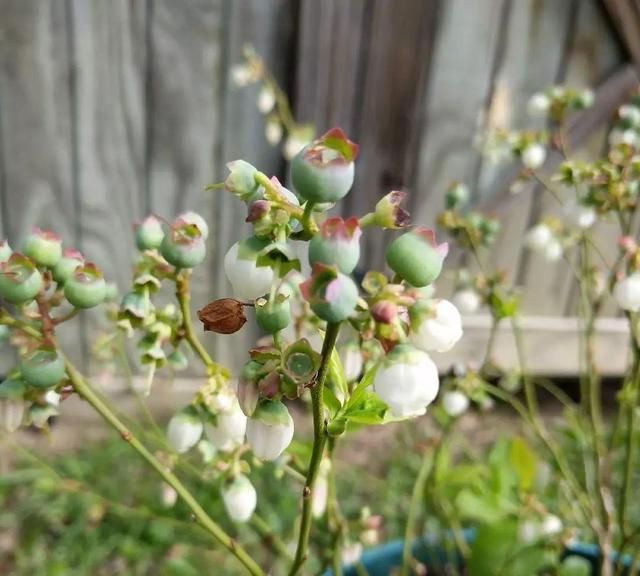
(482, 509)
(331, 401)
(358, 393)
(336, 374)
(523, 460)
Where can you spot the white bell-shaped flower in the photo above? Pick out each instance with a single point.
(407, 381)
(229, 428)
(553, 250)
(455, 403)
(184, 430)
(528, 532)
(249, 281)
(534, 155)
(538, 237)
(579, 215)
(627, 292)
(352, 360)
(538, 104)
(168, 496)
(467, 300)
(240, 498)
(551, 525)
(270, 429)
(436, 326)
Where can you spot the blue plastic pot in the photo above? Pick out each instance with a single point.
(380, 561)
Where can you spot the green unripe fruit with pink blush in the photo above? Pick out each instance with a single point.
(323, 171)
(333, 296)
(337, 244)
(42, 368)
(149, 233)
(43, 247)
(416, 257)
(20, 280)
(183, 246)
(67, 265)
(86, 288)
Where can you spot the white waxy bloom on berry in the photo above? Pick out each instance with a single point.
(579, 215)
(467, 300)
(534, 155)
(249, 281)
(627, 292)
(270, 429)
(351, 553)
(352, 360)
(191, 217)
(538, 237)
(538, 104)
(436, 325)
(229, 428)
(407, 381)
(266, 99)
(168, 496)
(455, 403)
(240, 498)
(551, 525)
(185, 429)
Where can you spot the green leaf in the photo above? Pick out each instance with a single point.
(483, 509)
(523, 460)
(575, 566)
(358, 393)
(331, 401)
(336, 374)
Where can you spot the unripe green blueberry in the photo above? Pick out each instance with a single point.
(333, 296)
(191, 217)
(416, 257)
(323, 171)
(273, 317)
(20, 280)
(337, 244)
(67, 265)
(149, 233)
(43, 247)
(183, 246)
(86, 288)
(42, 368)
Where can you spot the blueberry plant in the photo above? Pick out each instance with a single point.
(383, 373)
(530, 501)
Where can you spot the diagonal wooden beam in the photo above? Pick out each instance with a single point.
(625, 15)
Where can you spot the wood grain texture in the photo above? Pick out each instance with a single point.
(625, 15)
(36, 128)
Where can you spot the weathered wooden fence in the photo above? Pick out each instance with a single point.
(110, 109)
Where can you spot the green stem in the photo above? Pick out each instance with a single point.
(337, 524)
(319, 441)
(85, 391)
(183, 295)
(270, 537)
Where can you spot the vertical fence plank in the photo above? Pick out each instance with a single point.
(269, 26)
(36, 127)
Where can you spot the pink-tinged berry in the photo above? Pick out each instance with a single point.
(86, 288)
(5, 251)
(149, 233)
(20, 280)
(407, 380)
(183, 246)
(42, 368)
(337, 244)
(67, 265)
(323, 171)
(270, 429)
(416, 257)
(332, 295)
(43, 247)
